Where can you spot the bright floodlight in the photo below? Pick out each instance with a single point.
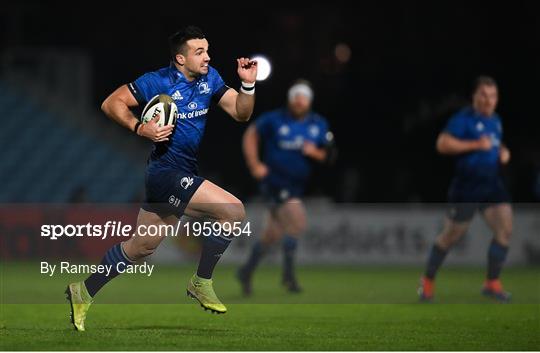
(263, 67)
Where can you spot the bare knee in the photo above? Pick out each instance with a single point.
(292, 217)
(451, 235)
(503, 236)
(298, 226)
(271, 235)
(233, 212)
(269, 240)
(146, 250)
(272, 231)
(138, 250)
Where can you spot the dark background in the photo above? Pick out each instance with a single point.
(411, 67)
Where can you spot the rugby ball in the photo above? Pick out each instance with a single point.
(163, 106)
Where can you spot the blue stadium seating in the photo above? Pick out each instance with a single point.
(45, 160)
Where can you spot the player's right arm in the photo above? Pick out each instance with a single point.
(451, 145)
(453, 139)
(117, 107)
(250, 146)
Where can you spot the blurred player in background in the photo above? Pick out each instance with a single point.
(474, 136)
(173, 187)
(292, 139)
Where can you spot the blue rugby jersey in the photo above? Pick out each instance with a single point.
(193, 100)
(283, 137)
(467, 124)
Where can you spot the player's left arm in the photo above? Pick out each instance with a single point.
(504, 154)
(239, 105)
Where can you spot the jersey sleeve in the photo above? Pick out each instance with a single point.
(218, 86)
(498, 122)
(325, 136)
(263, 125)
(456, 126)
(145, 87)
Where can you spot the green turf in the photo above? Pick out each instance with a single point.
(341, 309)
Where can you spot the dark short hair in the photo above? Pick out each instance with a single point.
(178, 40)
(483, 81)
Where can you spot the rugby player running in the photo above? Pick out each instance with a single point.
(474, 137)
(171, 173)
(293, 137)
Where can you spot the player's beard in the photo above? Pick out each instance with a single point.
(298, 112)
(488, 110)
(195, 74)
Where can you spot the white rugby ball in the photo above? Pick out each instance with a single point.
(163, 106)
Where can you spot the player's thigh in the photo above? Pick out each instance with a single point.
(150, 231)
(452, 232)
(291, 215)
(216, 203)
(499, 218)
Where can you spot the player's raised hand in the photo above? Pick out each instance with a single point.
(247, 70)
(154, 132)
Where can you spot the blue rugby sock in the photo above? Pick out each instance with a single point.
(113, 256)
(289, 249)
(213, 248)
(496, 257)
(257, 253)
(435, 260)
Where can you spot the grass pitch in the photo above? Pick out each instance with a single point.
(342, 308)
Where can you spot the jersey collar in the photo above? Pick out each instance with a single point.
(480, 116)
(289, 115)
(177, 76)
